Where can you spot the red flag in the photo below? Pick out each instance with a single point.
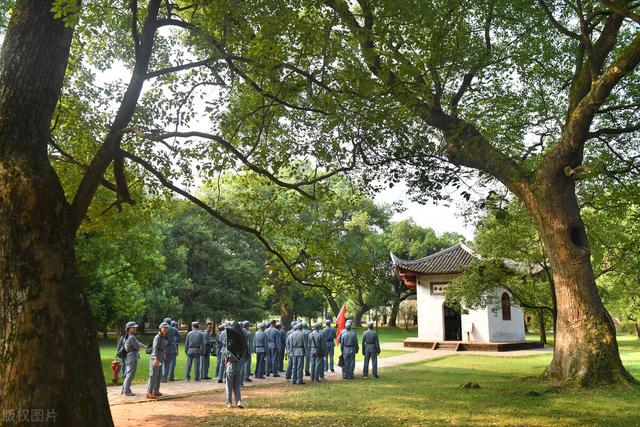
(340, 321)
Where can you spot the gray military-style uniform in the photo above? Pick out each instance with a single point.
(287, 347)
(349, 348)
(370, 350)
(261, 344)
(298, 349)
(205, 359)
(222, 336)
(132, 347)
(233, 375)
(169, 367)
(329, 335)
(272, 351)
(317, 350)
(160, 343)
(194, 347)
(307, 356)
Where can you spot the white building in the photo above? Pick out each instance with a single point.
(498, 328)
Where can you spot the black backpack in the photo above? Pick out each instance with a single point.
(121, 352)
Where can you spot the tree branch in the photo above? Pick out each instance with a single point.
(217, 215)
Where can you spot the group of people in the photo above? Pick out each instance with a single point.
(310, 352)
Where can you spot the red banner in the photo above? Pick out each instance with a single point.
(340, 321)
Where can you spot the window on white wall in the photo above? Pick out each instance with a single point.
(506, 306)
(437, 288)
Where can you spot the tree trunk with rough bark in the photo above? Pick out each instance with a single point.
(395, 309)
(361, 310)
(332, 303)
(49, 354)
(586, 350)
(543, 328)
(635, 325)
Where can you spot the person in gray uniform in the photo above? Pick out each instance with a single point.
(272, 349)
(132, 347)
(261, 351)
(233, 374)
(280, 343)
(222, 335)
(307, 357)
(288, 349)
(205, 359)
(370, 350)
(299, 348)
(329, 335)
(156, 359)
(349, 349)
(246, 327)
(172, 353)
(317, 350)
(194, 348)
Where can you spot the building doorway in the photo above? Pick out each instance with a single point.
(452, 324)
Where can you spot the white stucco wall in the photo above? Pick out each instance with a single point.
(482, 324)
(505, 330)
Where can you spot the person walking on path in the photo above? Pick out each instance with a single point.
(370, 350)
(349, 349)
(156, 360)
(234, 355)
(132, 347)
(194, 348)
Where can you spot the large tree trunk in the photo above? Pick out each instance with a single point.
(395, 309)
(49, 355)
(635, 325)
(586, 350)
(332, 303)
(361, 310)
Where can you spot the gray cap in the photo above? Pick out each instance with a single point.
(131, 325)
(327, 322)
(262, 325)
(370, 325)
(316, 326)
(196, 324)
(293, 324)
(167, 320)
(278, 324)
(347, 325)
(299, 326)
(174, 323)
(163, 325)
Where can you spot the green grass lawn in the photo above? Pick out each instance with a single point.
(428, 393)
(108, 351)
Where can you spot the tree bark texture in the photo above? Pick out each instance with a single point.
(586, 350)
(49, 354)
(543, 328)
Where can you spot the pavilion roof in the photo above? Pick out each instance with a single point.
(452, 260)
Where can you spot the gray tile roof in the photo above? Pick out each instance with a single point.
(452, 260)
